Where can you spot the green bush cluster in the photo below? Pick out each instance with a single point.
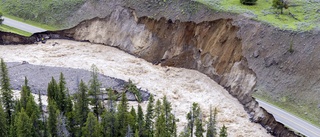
(248, 2)
(1, 20)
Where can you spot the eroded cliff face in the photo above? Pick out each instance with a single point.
(10, 38)
(212, 47)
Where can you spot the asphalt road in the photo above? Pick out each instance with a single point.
(291, 121)
(21, 25)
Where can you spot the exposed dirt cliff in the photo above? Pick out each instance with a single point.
(212, 47)
(10, 38)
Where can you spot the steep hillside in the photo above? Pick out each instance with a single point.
(212, 47)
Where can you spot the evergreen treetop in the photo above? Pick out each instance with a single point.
(23, 124)
(92, 127)
(223, 131)
(94, 91)
(6, 92)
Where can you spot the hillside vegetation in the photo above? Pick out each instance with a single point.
(300, 16)
(50, 12)
(7, 28)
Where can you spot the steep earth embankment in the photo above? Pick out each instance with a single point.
(212, 47)
(181, 86)
(10, 38)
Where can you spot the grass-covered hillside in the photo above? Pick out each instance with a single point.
(302, 15)
(6, 28)
(49, 12)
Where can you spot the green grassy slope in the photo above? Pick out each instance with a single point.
(307, 14)
(30, 22)
(6, 28)
(49, 12)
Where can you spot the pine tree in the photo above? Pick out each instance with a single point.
(122, 115)
(192, 116)
(136, 134)
(94, 91)
(133, 119)
(109, 117)
(32, 110)
(62, 130)
(105, 129)
(169, 117)
(81, 106)
(70, 114)
(13, 127)
(199, 126)
(53, 90)
(149, 118)
(140, 120)
(24, 124)
(165, 125)
(6, 92)
(42, 115)
(3, 123)
(25, 93)
(109, 124)
(223, 131)
(111, 103)
(174, 127)
(69, 105)
(61, 97)
(52, 119)
(211, 127)
(158, 108)
(185, 132)
(92, 127)
(160, 126)
(129, 132)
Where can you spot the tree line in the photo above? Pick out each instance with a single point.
(84, 114)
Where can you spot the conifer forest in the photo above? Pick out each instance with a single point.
(85, 114)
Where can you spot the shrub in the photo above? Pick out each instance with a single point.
(1, 19)
(248, 2)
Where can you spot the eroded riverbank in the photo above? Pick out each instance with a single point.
(181, 86)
